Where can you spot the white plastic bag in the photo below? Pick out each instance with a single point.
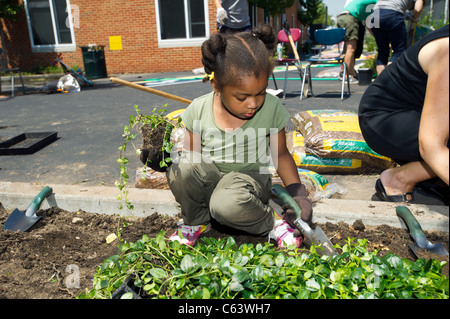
(68, 84)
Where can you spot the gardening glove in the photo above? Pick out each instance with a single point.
(298, 193)
(222, 16)
(153, 158)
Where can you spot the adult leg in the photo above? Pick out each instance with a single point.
(351, 26)
(403, 179)
(398, 36)
(394, 134)
(349, 58)
(382, 40)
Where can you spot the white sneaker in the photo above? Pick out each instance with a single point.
(283, 234)
(188, 235)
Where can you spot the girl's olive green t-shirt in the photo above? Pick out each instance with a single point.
(243, 149)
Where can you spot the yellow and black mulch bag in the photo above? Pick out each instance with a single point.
(333, 134)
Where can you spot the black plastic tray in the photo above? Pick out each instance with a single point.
(127, 286)
(27, 143)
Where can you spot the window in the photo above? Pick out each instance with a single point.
(182, 22)
(50, 25)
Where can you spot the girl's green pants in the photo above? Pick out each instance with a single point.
(236, 199)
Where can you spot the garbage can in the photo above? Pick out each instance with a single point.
(94, 61)
(364, 76)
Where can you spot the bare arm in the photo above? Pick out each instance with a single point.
(218, 4)
(287, 170)
(434, 123)
(284, 162)
(192, 142)
(418, 7)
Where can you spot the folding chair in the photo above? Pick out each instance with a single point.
(283, 38)
(4, 69)
(327, 37)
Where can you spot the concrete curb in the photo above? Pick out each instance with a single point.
(92, 199)
(103, 200)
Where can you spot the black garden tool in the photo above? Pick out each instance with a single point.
(316, 235)
(22, 221)
(417, 234)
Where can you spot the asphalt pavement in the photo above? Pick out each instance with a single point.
(89, 124)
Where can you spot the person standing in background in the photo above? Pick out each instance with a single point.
(355, 12)
(232, 16)
(391, 29)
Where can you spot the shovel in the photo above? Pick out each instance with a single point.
(150, 90)
(22, 221)
(291, 40)
(297, 57)
(417, 234)
(316, 235)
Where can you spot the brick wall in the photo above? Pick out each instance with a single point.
(18, 46)
(134, 21)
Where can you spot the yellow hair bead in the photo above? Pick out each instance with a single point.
(210, 76)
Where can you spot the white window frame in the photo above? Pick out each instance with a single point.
(57, 47)
(182, 42)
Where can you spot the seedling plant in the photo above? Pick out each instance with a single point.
(155, 119)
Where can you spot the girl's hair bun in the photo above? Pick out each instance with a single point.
(266, 35)
(211, 48)
(233, 56)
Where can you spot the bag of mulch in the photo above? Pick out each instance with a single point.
(175, 115)
(313, 182)
(305, 160)
(336, 134)
(316, 185)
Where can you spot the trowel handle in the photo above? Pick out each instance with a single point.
(281, 192)
(37, 201)
(414, 227)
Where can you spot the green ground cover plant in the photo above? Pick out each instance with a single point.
(218, 268)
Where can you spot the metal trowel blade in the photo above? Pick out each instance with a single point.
(318, 237)
(18, 221)
(438, 249)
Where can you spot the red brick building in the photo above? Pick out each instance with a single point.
(138, 36)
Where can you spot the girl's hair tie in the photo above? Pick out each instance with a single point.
(210, 76)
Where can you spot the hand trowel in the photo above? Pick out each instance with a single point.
(23, 220)
(316, 235)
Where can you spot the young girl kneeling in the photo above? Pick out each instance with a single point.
(231, 136)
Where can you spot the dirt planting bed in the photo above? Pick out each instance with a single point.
(58, 256)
